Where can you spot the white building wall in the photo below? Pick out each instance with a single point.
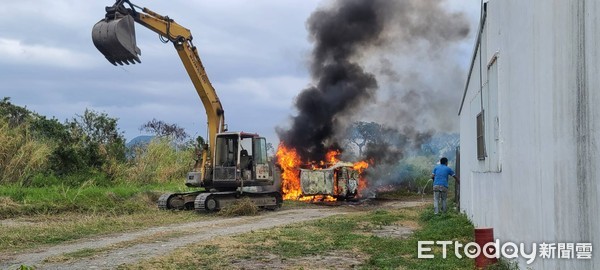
(539, 182)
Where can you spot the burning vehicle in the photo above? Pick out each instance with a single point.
(328, 180)
(339, 181)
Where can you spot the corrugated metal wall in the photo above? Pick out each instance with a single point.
(546, 133)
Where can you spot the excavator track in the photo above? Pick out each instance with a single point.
(215, 201)
(208, 202)
(278, 201)
(177, 201)
(163, 201)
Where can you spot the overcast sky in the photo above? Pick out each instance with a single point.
(255, 54)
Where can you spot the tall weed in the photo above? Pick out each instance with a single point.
(159, 162)
(21, 157)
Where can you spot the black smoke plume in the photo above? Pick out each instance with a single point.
(346, 34)
(339, 34)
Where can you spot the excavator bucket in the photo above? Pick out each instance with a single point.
(115, 39)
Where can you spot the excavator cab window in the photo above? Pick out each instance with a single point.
(246, 157)
(226, 154)
(226, 158)
(259, 156)
(259, 146)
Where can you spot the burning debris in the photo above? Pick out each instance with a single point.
(345, 35)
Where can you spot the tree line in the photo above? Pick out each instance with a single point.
(35, 149)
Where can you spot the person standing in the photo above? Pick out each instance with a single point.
(440, 184)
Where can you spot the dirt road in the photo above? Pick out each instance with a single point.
(108, 252)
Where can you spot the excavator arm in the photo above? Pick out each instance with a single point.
(114, 36)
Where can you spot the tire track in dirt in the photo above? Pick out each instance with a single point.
(192, 232)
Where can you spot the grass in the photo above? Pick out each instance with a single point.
(406, 194)
(87, 198)
(159, 162)
(35, 216)
(21, 156)
(352, 235)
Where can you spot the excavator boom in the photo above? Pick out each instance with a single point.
(114, 37)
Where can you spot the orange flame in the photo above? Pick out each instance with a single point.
(332, 156)
(362, 183)
(317, 198)
(289, 160)
(360, 166)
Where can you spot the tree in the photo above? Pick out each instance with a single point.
(199, 147)
(362, 133)
(96, 141)
(162, 129)
(64, 158)
(379, 143)
(200, 141)
(15, 115)
(98, 127)
(270, 149)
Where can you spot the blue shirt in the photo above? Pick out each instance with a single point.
(441, 175)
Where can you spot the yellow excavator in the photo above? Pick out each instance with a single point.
(231, 161)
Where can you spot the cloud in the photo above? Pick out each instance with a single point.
(258, 104)
(67, 13)
(275, 91)
(15, 52)
(253, 51)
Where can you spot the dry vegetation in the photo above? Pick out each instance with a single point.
(158, 162)
(242, 207)
(20, 155)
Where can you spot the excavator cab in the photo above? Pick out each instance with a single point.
(241, 158)
(114, 36)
